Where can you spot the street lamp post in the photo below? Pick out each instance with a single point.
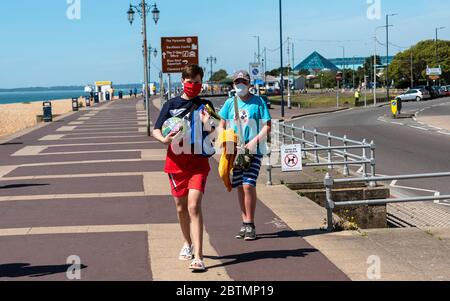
(258, 59)
(143, 9)
(211, 60)
(437, 46)
(387, 55)
(343, 66)
(281, 59)
(151, 51)
(375, 64)
(259, 49)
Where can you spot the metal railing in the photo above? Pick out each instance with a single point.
(330, 204)
(315, 143)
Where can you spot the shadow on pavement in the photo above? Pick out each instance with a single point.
(11, 143)
(12, 186)
(258, 255)
(16, 270)
(290, 234)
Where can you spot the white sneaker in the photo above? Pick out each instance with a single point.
(187, 253)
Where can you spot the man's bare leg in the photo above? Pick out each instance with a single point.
(196, 216)
(184, 219)
(241, 198)
(250, 198)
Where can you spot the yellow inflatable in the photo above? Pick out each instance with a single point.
(227, 139)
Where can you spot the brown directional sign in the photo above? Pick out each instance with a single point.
(178, 52)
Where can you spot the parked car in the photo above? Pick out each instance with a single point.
(439, 91)
(433, 93)
(414, 95)
(448, 90)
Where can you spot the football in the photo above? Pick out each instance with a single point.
(173, 126)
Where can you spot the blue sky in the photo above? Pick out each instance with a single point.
(40, 46)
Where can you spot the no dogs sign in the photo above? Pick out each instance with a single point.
(291, 158)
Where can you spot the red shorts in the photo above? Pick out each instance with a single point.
(181, 183)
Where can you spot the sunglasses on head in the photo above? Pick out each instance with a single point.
(241, 81)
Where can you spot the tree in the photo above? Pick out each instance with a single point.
(422, 54)
(277, 72)
(219, 76)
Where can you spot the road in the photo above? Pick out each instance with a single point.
(402, 146)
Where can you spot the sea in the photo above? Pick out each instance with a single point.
(38, 96)
(8, 97)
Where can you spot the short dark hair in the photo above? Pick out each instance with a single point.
(191, 72)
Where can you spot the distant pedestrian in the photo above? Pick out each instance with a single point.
(357, 97)
(131, 93)
(135, 92)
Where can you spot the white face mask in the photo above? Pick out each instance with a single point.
(241, 90)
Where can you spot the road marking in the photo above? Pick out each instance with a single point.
(30, 150)
(86, 162)
(100, 133)
(36, 150)
(102, 137)
(4, 170)
(105, 129)
(71, 196)
(445, 133)
(76, 123)
(398, 123)
(51, 137)
(435, 127)
(66, 129)
(418, 127)
(164, 243)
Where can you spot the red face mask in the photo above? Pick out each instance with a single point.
(192, 90)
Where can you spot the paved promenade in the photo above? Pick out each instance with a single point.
(90, 185)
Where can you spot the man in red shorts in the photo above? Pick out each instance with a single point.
(188, 170)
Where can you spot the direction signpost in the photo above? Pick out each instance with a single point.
(178, 52)
(434, 73)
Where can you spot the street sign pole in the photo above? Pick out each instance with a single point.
(337, 96)
(281, 60)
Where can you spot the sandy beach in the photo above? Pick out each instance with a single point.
(19, 116)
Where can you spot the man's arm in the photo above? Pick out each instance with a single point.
(263, 134)
(157, 134)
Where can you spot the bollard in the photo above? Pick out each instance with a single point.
(346, 169)
(75, 106)
(47, 111)
(96, 98)
(87, 100)
(329, 204)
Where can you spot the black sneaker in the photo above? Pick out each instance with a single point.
(250, 233)
(241, 234)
